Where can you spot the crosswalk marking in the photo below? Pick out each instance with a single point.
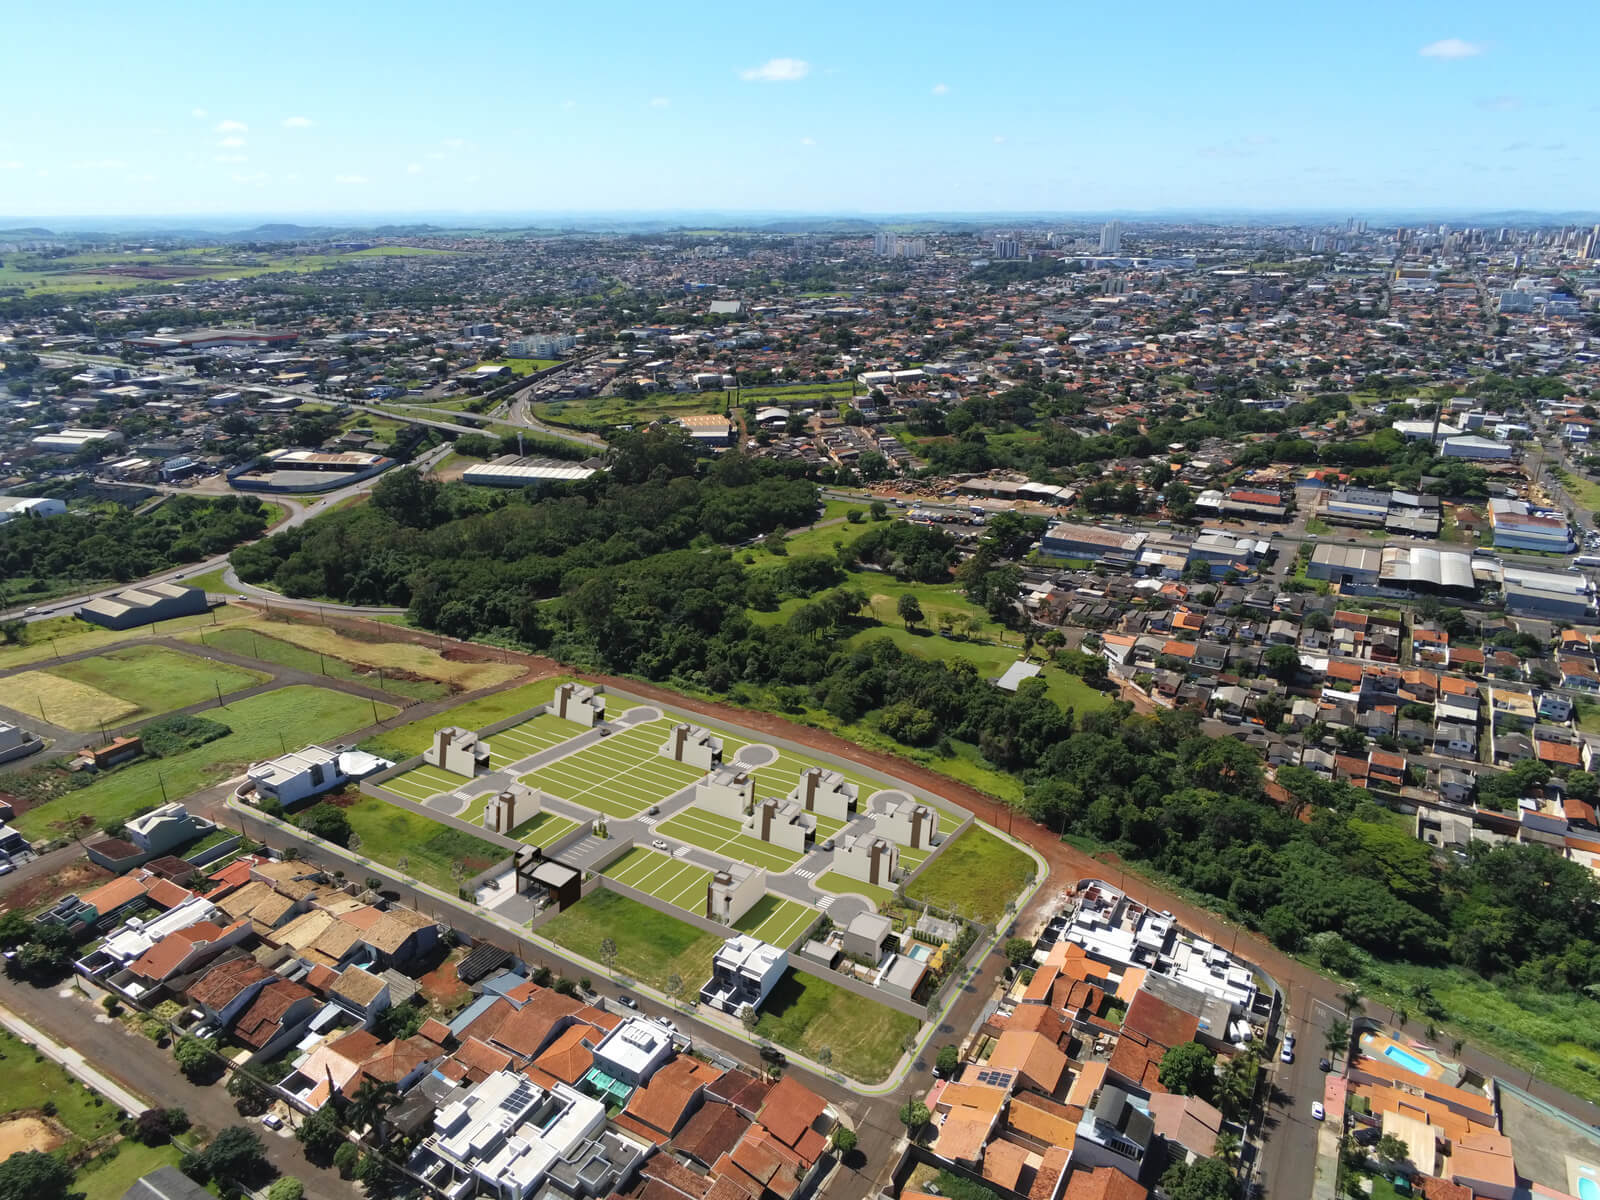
(825, 903)
(805, 874)
(681, 852)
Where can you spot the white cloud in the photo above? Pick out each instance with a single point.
(232, 158)
(350, 179)
(454, 143)
(10, 165)
(806, 141)
(231, 142)
(413, 168)
(198, 114)
(297, 122)
(659, 102)
(777, 70)
(232, 127)
(941, 89)
(1451, 48)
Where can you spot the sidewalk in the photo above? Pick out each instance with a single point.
(75, 1063)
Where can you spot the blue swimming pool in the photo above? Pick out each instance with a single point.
(1588, 1189)
(923, 954)
(1412, 1063)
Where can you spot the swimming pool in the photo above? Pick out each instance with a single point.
(1412, 1063)
(922, 954)
(1588, 1189)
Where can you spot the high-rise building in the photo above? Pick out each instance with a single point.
(1111, 237)
(1007, 245)
(892, 245)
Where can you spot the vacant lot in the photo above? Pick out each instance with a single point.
(266, 648)
(806, 1013)
(833, 881)
(109, 1178)
(59, 636)
(65, 702)
(32, 1081)
(262, 726)
(602, 412)
(434, 853)
(777, 921)
(422, 661)
(156, 679)
(976, 875)
(651, 946)
(725, 836)
(620, 776)
(678, 882)
(416, 737)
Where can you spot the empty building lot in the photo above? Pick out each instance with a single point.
(722, 835)
(620, 776)
(528, 738)
(681, 884)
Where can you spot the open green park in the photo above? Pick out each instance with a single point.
(125, 684)
(976, 875)
(263, 726)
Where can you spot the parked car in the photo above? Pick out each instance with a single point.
(627, 1001)
(1324, 1065)
(1287, 1054)
(272, 1121)
(1317, 1111)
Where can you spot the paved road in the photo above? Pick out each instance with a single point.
(68, 1017)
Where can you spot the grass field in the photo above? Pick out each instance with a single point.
(263, 726)
(620, 776)
(213, 582)
(806, 1013)
(423, 661)
(153, 679)
(543, 829)
(602, 412)
(60, 636)
(267, 648)
(977, 875)
(776, 920)
(64, 702)
(531, 736)
(722, 835)
(32, 1081)
(842, 885)
(106, 1178)
(421, 783)
(521, 366)
(679, 882)
(651, 946)
(406, 740)
(431, 851)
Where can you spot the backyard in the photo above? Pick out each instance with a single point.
(263, 727)
(651, 946)
(977, 876)
(806, 1013)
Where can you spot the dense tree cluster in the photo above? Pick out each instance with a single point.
(112, 542)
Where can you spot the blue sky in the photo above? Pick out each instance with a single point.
(353, 107)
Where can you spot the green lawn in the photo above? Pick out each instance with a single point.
(833, 881)
(33, 1080)
(109, 1177)
(158, 679)
(263, 727)
(806, 1013)
(212, 581)
(602, 412)
(651, 946)
(60, 636)
(254, 644)
(621, 776)
(389, 833)
(521, 366)
(976, 875)
(406, 740)
(777, 921)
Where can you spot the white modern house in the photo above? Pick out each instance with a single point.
(634, 1050)
(826, 792)
(301, 774)
(692, 745)
(743, 971)
(458, 751)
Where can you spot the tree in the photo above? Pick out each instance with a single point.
(749, 1018)
(844, 1139)
(1392, 1149)
(152, 1127)
(344, 1159)
(1338, 1039)
(1189, 1070)
(286, 1187)
(34, 1175)
(1352, 1001)
(1281, 662)
(948, 1060)
(249, 1097)
(674, 988)
(194, 1056)
(914, 1115)
(608, 954)
(234, 1154)
(328, 822)
(320, 1134)
(824, 1056)
(1018, 951)
(1203, 1179)
(370, 1105)
(910, 610)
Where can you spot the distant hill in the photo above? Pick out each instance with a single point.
(31, 231)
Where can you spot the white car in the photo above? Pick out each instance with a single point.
(1317, 1111)
(272, 1121)
(659, 844)
(1287, 1055)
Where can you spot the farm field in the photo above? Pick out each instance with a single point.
(262, 726)
(975, 875)
(405, 740)
(722, 835)
(651, 946)
(621, 776)
(776, 920)
(60, 636)
(123, 685)
(679, 882)
(806, 1013)
(266, 647)
(431, 850)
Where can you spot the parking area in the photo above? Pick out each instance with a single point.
(722, 835)
(620, 776)
(531, 736)
(681, 884)
(421, 783)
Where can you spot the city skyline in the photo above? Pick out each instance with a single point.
(1437, 107)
